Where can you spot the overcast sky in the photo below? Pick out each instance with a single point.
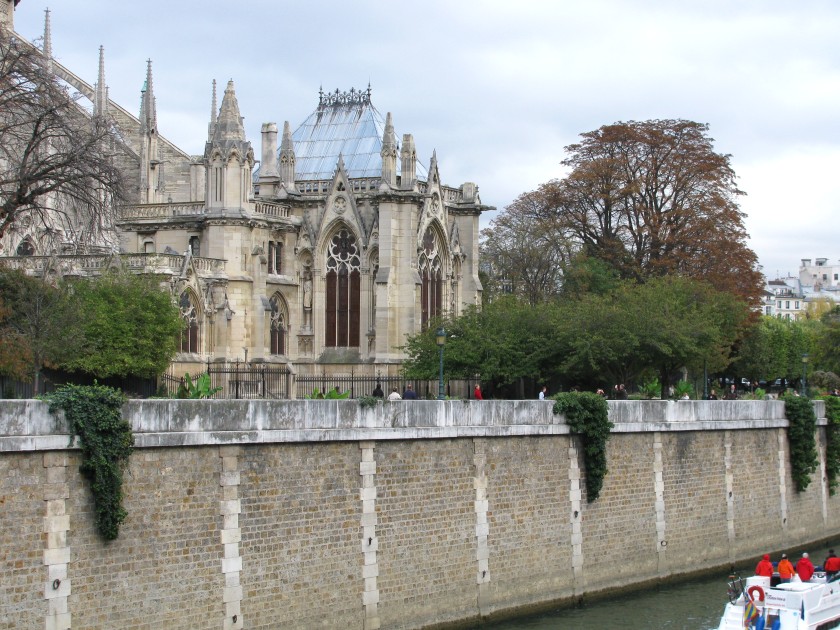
(498, 87)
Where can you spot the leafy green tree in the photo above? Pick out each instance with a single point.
(505, 341)
(773, 347)
(662, 325)
(129, 326)
(41, 321)
(827, 342)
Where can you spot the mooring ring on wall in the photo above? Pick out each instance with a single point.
(56, 584)
(756, 593)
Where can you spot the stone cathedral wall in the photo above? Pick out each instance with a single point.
(321, 514)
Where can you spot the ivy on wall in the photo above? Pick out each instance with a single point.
(588, 416)
(94, 413)
(832, 442)
(802, 439)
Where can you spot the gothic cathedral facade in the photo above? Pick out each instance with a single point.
(332, 251)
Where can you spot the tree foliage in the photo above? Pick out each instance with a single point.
(503, 342)
(130, 326)
(57, 164)
(657, 327)
(41, 323)
(773, 348)
(114, 325)
(525, 247)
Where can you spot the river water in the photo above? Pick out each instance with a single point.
(692, 605)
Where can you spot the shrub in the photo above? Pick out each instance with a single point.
(588, 416)
(802, 439)
(94, 413)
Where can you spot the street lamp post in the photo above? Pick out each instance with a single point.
(440, 339)
(805, 359)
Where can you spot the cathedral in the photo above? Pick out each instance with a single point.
(323, 252)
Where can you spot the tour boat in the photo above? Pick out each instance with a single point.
(795, 605)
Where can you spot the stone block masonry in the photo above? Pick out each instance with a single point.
(321, 514)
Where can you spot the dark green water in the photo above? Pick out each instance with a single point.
(691, 605)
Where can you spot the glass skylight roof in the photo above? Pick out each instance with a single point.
(346, 124)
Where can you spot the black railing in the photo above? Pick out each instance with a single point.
(240, 381)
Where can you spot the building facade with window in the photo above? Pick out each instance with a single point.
(340, 245)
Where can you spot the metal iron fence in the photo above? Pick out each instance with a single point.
(240, 381)
(50, 380)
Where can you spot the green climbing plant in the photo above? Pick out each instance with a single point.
(94, 413)
(832, 442)
(588, 416)
(802, 428)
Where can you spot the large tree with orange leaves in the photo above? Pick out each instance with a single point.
(653, 198)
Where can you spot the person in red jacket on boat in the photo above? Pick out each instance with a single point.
(831, 566)
(805, 568)
(764, 566)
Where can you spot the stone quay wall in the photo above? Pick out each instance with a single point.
(411, 514)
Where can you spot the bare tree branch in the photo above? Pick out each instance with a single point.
(58, 166)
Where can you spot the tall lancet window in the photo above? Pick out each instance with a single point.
(189, 317)
(431, 276)
(278, 325)
(342, 292)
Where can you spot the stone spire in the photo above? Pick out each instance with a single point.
(148, 107)
(47, 40)
(100, 91)
(213, 109)
(434, 176)
(287, 158)
(389, 153)
(227, 151)
(229, 127)
(408, 158)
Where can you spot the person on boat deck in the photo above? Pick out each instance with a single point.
(785, 568)
(764, 566)
(831, 566)
(804, 567)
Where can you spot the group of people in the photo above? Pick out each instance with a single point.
(410, 394)
(804, 568)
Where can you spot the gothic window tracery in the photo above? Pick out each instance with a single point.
(430, 268)
(342, 291)
(26, 248)
(189, 317)
(278, 325)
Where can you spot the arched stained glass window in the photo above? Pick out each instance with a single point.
(431, 276)
(278, 325)
(342, 299)
(189, 317)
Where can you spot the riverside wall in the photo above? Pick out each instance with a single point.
(412, 514)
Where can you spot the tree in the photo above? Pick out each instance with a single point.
(503, 342)
(41, 321)
(15, 356)
(662, 325)
(826, 346)
(773, 348)
(57, 163)
(129, 326)
(653, 198)
(525, 247)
